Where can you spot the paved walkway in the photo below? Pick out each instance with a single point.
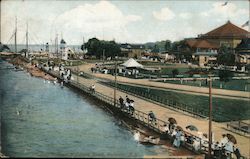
(164, 113)
(232, 94)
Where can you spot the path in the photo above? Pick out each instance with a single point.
(164, 113)
(231, 94)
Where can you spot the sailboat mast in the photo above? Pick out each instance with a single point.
(16, 36)
(27, 41)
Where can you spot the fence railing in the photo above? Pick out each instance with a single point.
(162, 101)
(139, 116)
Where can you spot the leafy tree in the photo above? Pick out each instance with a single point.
(226, 56)
(175, 72)
(96, 47)
(167, 45)
(156, 49)
(225, 75)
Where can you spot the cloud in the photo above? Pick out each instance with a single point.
(164, 14)
(185, 15)
(95, 18)
(221, 12)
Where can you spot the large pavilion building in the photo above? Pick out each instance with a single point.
(205, 48)
(228, 35)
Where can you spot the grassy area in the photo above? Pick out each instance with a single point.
(152, 63)
(240, 85)
(223, 109)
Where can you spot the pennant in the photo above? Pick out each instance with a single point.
(224, 4)
(245, 24)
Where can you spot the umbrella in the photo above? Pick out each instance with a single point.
(232, 138)
(192, 128)
(172, 120)
(179, 128)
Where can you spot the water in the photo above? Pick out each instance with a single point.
(45, 120)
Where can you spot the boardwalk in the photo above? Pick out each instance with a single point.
(164, 113)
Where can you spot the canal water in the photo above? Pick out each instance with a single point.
(41, 119)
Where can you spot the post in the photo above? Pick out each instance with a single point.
(210, 119)
(115, 82)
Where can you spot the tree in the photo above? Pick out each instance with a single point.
(225, 76)
(226, 56)
(96, 47)
(167, 45)
(156, 49)
(175, 72)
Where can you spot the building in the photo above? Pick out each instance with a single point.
(65, 51)
(132, 50)
(243, 52)
(228, 35)
(199, 51)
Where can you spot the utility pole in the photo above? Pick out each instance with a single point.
(16, 35)
(115, 82)
(210, 119)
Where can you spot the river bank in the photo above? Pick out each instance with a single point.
(31, 68)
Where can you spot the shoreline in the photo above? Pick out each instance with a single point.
(32, 69)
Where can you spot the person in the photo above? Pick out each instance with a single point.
(137, 136)
(217, 150)
(127, 99)
(177, 140)
(196, 144)
(229, 148)
(131, 107)
(237, 153)
(121, 101)
(152, 117)
(223, 141)
(92, 88)
(165, 129)
(127, 106)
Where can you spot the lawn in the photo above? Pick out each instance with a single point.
(240, 85)
(223, 109)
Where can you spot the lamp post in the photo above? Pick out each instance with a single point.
(210, 118)
(115, 81)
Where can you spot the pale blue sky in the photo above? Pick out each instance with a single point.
(124, 21)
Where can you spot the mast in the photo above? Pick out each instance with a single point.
(27, 41)
(16, 35)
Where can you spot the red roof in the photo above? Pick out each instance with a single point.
(227, 30)
(200, 43)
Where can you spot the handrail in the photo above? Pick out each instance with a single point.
(138, 115)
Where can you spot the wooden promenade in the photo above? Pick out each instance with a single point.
(106, 94)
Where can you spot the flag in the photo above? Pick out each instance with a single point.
(224, 4)
(245, 24)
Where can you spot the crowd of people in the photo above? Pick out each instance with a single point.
(223, 149)
(127, 104)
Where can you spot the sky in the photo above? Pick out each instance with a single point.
(123, 21)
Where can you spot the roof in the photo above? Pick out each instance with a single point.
(132, 46)
(132, 63)
(227, 30)
(200, 43)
